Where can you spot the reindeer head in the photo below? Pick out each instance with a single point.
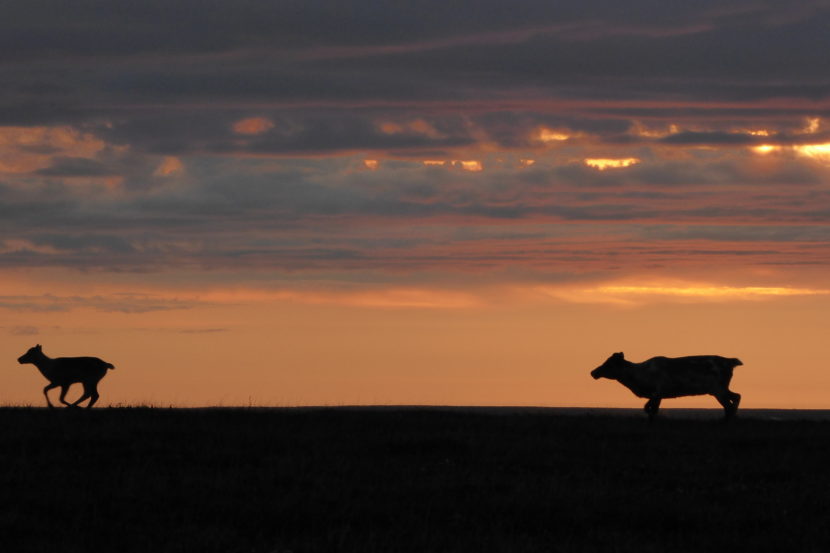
(611, 367)
(30, 356)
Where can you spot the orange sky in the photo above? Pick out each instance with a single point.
(496, 347)
(325, 206)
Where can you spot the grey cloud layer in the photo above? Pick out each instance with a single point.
(334, 216)
(172, 77)
(122, 303)
(65, 61)
(154, 90)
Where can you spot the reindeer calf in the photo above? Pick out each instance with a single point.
(64, 371)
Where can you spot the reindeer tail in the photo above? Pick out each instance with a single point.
(109, 366)
(735, 362)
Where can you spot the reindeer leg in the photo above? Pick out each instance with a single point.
(728, 403)
(92, 391)
(651, 408)
(80, 399)
(65, 389)
(46, 393)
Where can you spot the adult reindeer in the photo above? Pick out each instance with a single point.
(664, 377)
(64, 371)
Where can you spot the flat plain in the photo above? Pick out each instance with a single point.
(410, 480)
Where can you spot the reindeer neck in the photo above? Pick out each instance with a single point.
(634, 379)
(44, 364)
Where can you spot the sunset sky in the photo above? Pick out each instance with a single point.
(452, 203)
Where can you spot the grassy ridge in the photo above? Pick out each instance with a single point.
(410, 480)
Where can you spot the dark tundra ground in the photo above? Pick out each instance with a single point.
(399, 480)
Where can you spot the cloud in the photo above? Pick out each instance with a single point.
(329, 214)
(24, 330)
(375, 297)
(93, 63)
(75, 167)
(252, 125)
(120, 303)
(27, 149)
(170, 165)
(239, 138)
(603, 164)
(635, 294)
(740, 233)
(720, 138)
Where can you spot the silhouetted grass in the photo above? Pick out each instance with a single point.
(158, 480)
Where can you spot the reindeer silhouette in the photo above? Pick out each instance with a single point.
(663, 377)
(64, 371)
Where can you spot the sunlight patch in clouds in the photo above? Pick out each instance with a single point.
(27, 149)
(812, 125)
(466, 165)
(766, 149)
(712, 292)
(170, 165)
(547, 135)
(637, 294)
(819, 152)
(253, 125)
(603, 164)
(471, 165)
(639, 129)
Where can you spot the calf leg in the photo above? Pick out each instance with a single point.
(736, 399)
(651, 408)
(93, 394)
(46, 393)
(80, 399)
(90, 391)
(64, 389)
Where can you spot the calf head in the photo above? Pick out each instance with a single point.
(31, 355)
(611, 368)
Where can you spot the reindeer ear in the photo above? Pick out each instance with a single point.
(38, 346)
(621, 355)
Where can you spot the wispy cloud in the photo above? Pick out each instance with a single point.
(202, 330)
(376, 297)
(632, 294)
(121, 303)
(24, 330)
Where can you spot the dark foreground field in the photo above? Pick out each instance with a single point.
(426, 480)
